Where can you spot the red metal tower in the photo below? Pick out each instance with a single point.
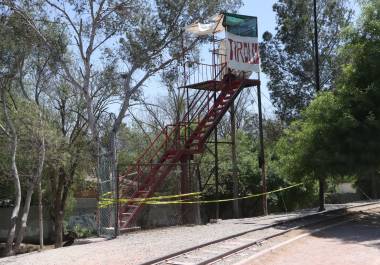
(215, 89)
(179, 141)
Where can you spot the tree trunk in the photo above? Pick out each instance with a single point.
(16, 179)
(58, 228)
(321, 182)
(36, 179)
(40, 215)
(235, 181)
(64, 184)
(58, 214)
(24, 218)
(16, 208)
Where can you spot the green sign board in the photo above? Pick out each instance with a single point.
(241, 25)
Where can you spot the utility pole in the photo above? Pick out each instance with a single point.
(235, 181)
(262, 154)
(317, 88)
(216, 167)
(316, 48)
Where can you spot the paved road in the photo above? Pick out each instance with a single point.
(352, 243)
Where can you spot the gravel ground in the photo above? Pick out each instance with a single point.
(142, 246)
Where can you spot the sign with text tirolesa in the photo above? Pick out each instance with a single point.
(242, 47)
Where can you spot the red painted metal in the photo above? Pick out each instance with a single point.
(174, 143)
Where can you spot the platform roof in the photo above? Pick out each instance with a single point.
(213, 85)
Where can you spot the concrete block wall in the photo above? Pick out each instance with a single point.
(84, 215)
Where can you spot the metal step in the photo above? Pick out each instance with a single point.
(129, 229)
(143, 191)
(127, 214)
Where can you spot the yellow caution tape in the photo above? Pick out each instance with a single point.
(104, 202)
(156, 198)
(222, 200)
(153, 200)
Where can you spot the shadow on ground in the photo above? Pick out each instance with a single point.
(364, 229)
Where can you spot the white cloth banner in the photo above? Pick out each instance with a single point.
(201, 29)
(242, 53)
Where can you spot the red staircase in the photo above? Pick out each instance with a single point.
(176, 142)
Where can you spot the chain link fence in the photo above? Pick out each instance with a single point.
(107, 216)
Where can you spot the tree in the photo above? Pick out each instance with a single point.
(69, 152)
(14, 46)
(288, 56)
(11, 133)
(149, 41)
(40, 104)
(360, 91)
(133, 40)
(338, 133)
(35, 72)
(308, 148)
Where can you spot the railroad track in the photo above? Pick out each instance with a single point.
(218, 251)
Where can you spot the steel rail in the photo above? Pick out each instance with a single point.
(242, 248)
(167, 258)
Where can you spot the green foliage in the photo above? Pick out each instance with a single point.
(29, 130)
(247, 165)
(83, 232)
(288, 57)
(70, 205)
(339, 132)
(131, 143)
(308, 147)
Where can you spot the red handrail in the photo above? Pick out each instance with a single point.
(151, 153)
